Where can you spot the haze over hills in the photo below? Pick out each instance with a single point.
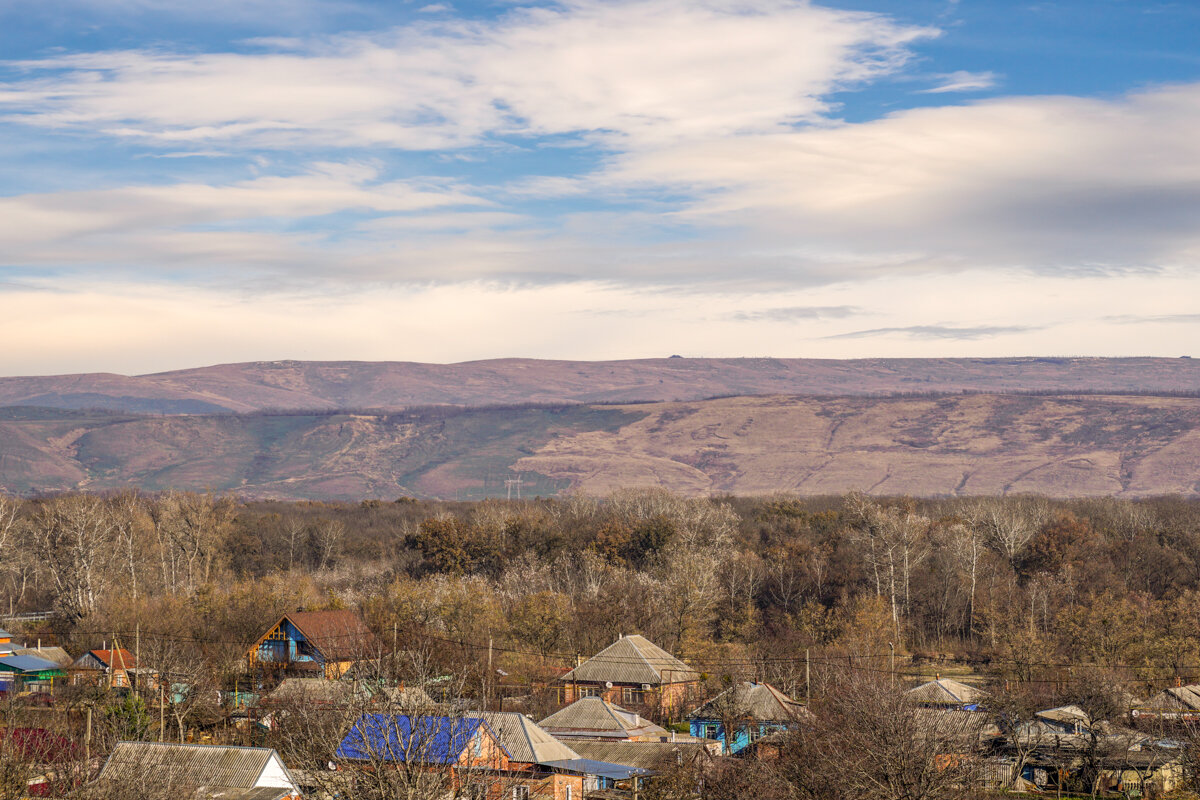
(301, 385)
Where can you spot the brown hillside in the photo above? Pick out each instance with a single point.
(972, 444)
(304, 385)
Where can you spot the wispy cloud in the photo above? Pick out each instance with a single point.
(1139, 319)
(939, 332)
(963, 81)
(794, 313)
(635, 69)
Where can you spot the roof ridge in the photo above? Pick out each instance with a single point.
(641, 655)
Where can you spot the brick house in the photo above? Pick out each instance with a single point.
(633, 672)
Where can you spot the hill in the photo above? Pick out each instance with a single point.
(312, 386)
(1062, 445)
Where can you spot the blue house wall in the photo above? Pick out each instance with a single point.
(713, 729)
(292, 648)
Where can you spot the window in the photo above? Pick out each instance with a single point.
(589, 691)
(476, 791)
(520, 793)
(711, 731)
(633, 695)
(567, 794)
(755, 733)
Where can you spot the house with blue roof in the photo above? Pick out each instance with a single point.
(21, 673)
(468, 757)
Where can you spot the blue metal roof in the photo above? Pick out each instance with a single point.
(27, 664)
(586, 766)
(410, 739)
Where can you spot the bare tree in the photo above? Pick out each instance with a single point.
(73, 537)
(867, 742)
(1007, 524)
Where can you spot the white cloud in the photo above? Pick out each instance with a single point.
(1047, 183)
(963, 81)
(641, 69)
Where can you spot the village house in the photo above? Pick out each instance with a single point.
(199, 771)
(1179, 703)
(6, 643)
(947, 695)
(459, 755)
(594, 718)
(743, 714)
(632, 671)
(28, 674)
(314, 643)
(109, 668)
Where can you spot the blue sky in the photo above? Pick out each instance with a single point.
(184, 183)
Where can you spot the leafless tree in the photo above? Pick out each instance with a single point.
(1007, 524)
(867, 742)
(72, 538)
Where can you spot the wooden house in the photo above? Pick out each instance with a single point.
(743, 714)
(634, 672)
(200, 771)
(103, 667)
(314, 643)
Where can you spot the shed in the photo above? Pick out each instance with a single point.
(20, 671)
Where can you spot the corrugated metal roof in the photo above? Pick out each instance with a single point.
(589, 766)
(55, 654)
(525, 741)
(653, 756)
(190, 765)
(1065, 714)
(633, 660)
(944, 691)
(756, 701)
(1176, 698)
(339, 635)
(592, 716)
(260, 793)
(27, 664)
(408, 739)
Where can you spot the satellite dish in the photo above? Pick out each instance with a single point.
(608, 684)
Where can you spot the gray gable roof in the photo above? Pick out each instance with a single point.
(632, 660)
(754, 701)
(594, 717)
(525, 741)
(944, 691)
(188, 765)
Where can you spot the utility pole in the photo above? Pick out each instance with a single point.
(487, 698)
(162, 709)
(807, 679)
(87, 737)
(137, 652)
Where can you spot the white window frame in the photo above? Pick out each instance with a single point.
(520, 793)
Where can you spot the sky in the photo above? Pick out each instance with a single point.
(189, 183)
